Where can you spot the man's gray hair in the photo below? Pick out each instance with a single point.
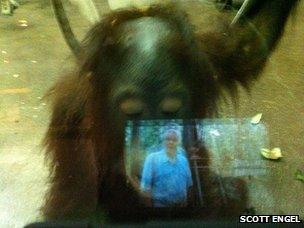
(170, 132)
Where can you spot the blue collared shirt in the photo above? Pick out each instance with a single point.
(167, 180)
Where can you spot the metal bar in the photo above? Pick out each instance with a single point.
(198, 182)
(242, 11)
(65, 27)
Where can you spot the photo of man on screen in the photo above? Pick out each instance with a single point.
(166, 176)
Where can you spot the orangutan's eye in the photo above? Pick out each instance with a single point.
(170, 105)
(132, 106)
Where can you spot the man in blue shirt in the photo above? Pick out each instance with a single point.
(166, 176)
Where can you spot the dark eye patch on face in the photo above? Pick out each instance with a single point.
(172, 139)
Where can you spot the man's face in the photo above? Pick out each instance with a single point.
(171, 141)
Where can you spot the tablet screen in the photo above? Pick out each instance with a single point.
(169, 160)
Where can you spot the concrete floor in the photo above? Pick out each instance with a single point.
(32, 57)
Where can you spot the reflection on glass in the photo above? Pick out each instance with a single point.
(166, 176)
(178, 163)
